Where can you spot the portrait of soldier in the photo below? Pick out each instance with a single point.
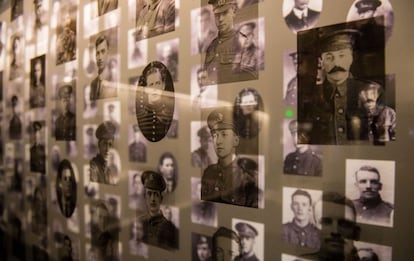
(100, 170)
(206, 29)
(302, 161)
(223, 241)
(220, 60)
(158, 231)
(156, 17)
(66, 188)
(205, 154)
(103, 86)
(105, 6)
(291, 94)
(38, 150)
(167, 167)
(247, 58)
(201, 248)
(16, 64)
(301, 17)
(90, 144)
(137, 247)
(202, 212)
(330, 110)
(370, 207)
(37, 84)
(167, 54)
(137, 148)
(15, 125)
(66, 121)
(137, 50)
(66, 40)
(39, 211)
(40, 14)
(337, 222)
(247, 234)
(112, 114)
(65, 251)
(301, 230)
(155, 101)
(203, 94)
(136, 193)
(232, 180)
(90, 108)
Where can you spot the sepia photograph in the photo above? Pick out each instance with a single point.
(16, 9)
(91, 189)
(301, 14)
(66, 32)
(203, 29)
(112, 113)
(251, 235)
(137, 246)
(167, 53)
(136, 191)
(38, 147)
(202, 212)
(168, 168)
(202, 147)
(37, 28)
(203, 95)
(137, 50)
(202, 247)
(137, 146)
(291, 71)
(15, 122)
(65, 123)
(67, 248)
(370, 185)
(37, 82)
(66, 188)
(286, 257)
(90, 106)
(16, 57)
(90, 142)
(105, 6)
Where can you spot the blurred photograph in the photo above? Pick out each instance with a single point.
(65, 124)
(16, 69)
(202, 212)
(90, 142)
(66, 32)
(203, 29)
(137, 50)
(37, 82)
(15, 123)
(66, 188)
(38, 148)
(136, 191)
(251, 235)
(301, 14)
(202, 147)
(167, 53)
(105, 6)
(201, 247)
(137, 246)
(203, 95)
(137, 146)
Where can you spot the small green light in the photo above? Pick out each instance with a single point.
(289, 113)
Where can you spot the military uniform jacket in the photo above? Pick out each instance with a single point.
(307, 163)
(37, 158)
(374, 210)
(246, 258)
(307, 236)
(295, 23)
(158, 231)
(66, 127)
(137, 152)
(246, 61)
(333, 113)
(154, 123)
(102, 89)
(15, 129)
(99, 171)
(229, 185)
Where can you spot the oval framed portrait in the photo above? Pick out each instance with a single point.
(154, 101)
(66, 188)
(301, 14)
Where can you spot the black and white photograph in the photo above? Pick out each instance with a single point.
(16, 9)
(66, 33)
(168, 168)
(159, 228)
(251, 235)
(155, 101)
(15, 122)
(112, 113)
(203, 29)
(137, 50)
(89, 60)
(202, 147)
(299, 227)
(66, 188)
(137, 246)
(90, 106)
(203, 95)
(136, 191)
(16, 58)
(291, 71)
(226, 244)
(90, 142)
(370, 251)
(104, 230)
(167, 54)
(202, 247)
(154, 17)
(105, 6)
(233, 179)
(105, 84)
(37, 82)
(362, 9)
(91, 189)
(300, 158)
(38, 147)
(65, 123)
(137, 146)
(233, 55)
(101, 169)
(202, 212)
(370, 186)
(247, 115)
(301, 14)
(351, 60)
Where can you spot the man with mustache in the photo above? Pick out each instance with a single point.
(369, 206)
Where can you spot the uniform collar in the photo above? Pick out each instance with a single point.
(371, 202)
(300, 13)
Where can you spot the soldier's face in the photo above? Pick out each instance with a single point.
(66, 183)
(368, 184)
(224, 250)
(336, 64)
(155, 87)
(337, 224)
(224, 142)
(102, 55)
(64, 102)
(167, 168)
(153, 199)
(301, 207)
(203, 251)
(224, 20)
(245, 36)
(248, 103)
(247, 244)
(301, 4)
(104, 145)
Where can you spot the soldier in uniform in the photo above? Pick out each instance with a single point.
(202, 251)
(301, 230)
(137, 149)
(90, 147)
(202, 157)
(66, 188)
(37, 90)
(99, 169)
(37, 151)
(246, 59)
(66, 43)
(369, 206)
(206, 34)
(223, 241)
(303, 161)
(247, 234)
(158, 231)
(292, 86)
(15, 127)
(230, 180)
(156, 17)
(66, 122)
(16, 65)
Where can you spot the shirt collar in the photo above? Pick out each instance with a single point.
(299, 13)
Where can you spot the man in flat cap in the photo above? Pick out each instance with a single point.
(66, 122)
(137, 149)
(37, 150)
(156, 17)
(301, 17)
(303, 161)
(204, 155)
(301, 231)
(225, 181)
(220, 54)
(158, 231)
(247, 234)
(99, 169)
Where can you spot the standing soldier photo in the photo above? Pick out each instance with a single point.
(66, 122)
(37, 150)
